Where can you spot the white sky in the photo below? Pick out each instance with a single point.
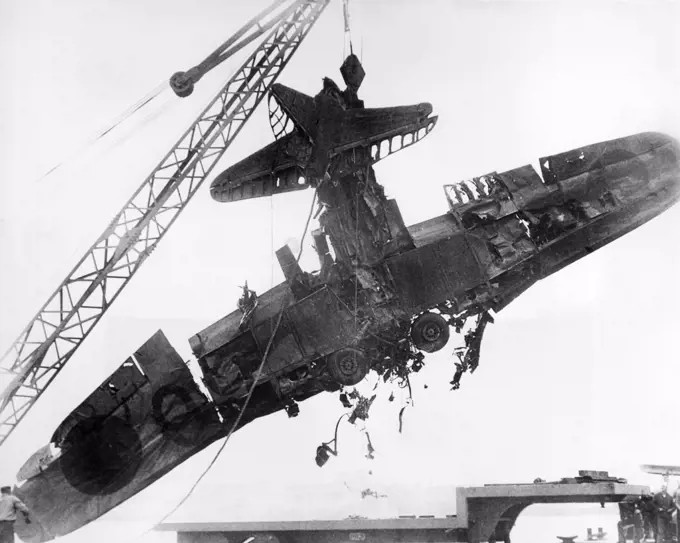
(579, 373)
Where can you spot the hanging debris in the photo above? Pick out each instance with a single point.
(468, 356)
(401, 421)
(362, 406)
(369, 448)
(368, 492)
(344, 399)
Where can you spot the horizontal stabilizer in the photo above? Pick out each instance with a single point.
(274, 169)
(266, 185)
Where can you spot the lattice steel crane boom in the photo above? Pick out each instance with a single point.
(70, 314)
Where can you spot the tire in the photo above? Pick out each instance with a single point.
(430, 332)
(347, 366)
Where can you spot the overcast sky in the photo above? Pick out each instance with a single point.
(579, 373)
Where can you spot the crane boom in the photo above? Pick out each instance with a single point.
(70, 314)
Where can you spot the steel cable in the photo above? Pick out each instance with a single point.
(250, 391)
(124, 116)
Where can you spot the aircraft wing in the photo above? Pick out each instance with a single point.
(386, 130)
(145, 419)
(276, 168)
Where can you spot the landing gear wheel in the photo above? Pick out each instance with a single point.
(430, 332)
(347, 366)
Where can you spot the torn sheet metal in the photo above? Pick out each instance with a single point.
(468, 356)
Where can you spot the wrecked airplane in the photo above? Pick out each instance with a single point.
(384, 294)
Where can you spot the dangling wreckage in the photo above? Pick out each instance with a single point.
(384, 294)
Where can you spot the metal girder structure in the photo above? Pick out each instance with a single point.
(70, 314)
(183, 82)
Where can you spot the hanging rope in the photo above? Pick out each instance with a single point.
(250, 391)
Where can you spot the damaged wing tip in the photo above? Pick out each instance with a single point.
(425, 108)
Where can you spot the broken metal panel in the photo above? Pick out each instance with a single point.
(399, 234)
(216, 335)
(322, 249)
(323, 323)
(160, 361)
(479, 200)
(434, 229)
(271, 303)
(224, 330)
(509, 243)
(468, 356)
(284, 355)
(418, 278)
(509, 285)
(304, 330)
(356, 234)
(114, 449)
(225, 369)
(469, 190)
(464, 260)
(288, 263)
(484, 211)
(428, 275)
(119, 390)
(284, 350)
(526, 187)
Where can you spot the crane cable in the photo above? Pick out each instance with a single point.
(250, 391)
(271, 339)
(348, 31)
(124, 116)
